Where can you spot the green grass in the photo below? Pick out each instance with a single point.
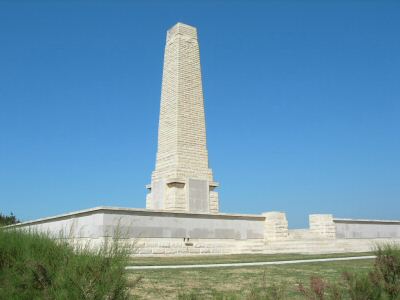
(33, 266)
(237, 283)
(357, 279)
(233, 258)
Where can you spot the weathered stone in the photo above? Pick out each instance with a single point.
(182, 179)
(276, 226)
(322, 225)
(193, 250)
(205, 250)
(164, 244)
(158, 250)
(170, 251)
(145, 251)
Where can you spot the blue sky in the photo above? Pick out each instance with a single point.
(302, 104)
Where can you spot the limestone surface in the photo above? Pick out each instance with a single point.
(182, 179)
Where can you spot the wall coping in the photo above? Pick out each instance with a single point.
(137, 211)
(366, 221)
(166, 213)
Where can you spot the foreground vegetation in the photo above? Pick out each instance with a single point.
(33, 266)
(239, 283)
(367, 279)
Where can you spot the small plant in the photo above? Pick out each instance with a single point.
(315, 291)
(320, 289)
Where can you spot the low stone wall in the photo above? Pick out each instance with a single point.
(150, 232)
(161, 224)
(77, 225)
(175, 247)
(366, 229)
(161, 233)
(142, 223)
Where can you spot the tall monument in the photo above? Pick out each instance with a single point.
(182, 179)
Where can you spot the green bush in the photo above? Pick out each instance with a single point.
(8, 220)
(33, 266)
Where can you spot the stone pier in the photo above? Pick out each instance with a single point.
(322, 225)
(276, 226)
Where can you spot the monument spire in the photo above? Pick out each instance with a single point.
(182, 179)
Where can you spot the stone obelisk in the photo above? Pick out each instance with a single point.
(182, 179)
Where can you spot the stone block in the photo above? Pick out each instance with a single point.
(158, 251)
(276, 226)
(151, 244)
(182, 250)
(205, 250)
(193, 250)
(145, 251)
(322, 225)
(164, 244)
(170, 251)
(176, 244)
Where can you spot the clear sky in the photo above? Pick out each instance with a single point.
(302, 104)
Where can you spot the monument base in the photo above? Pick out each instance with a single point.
(161, 233)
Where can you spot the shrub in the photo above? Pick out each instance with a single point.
(386, 273)
(33, 266)
(359, 287)
(382, 282)
(8, 220)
